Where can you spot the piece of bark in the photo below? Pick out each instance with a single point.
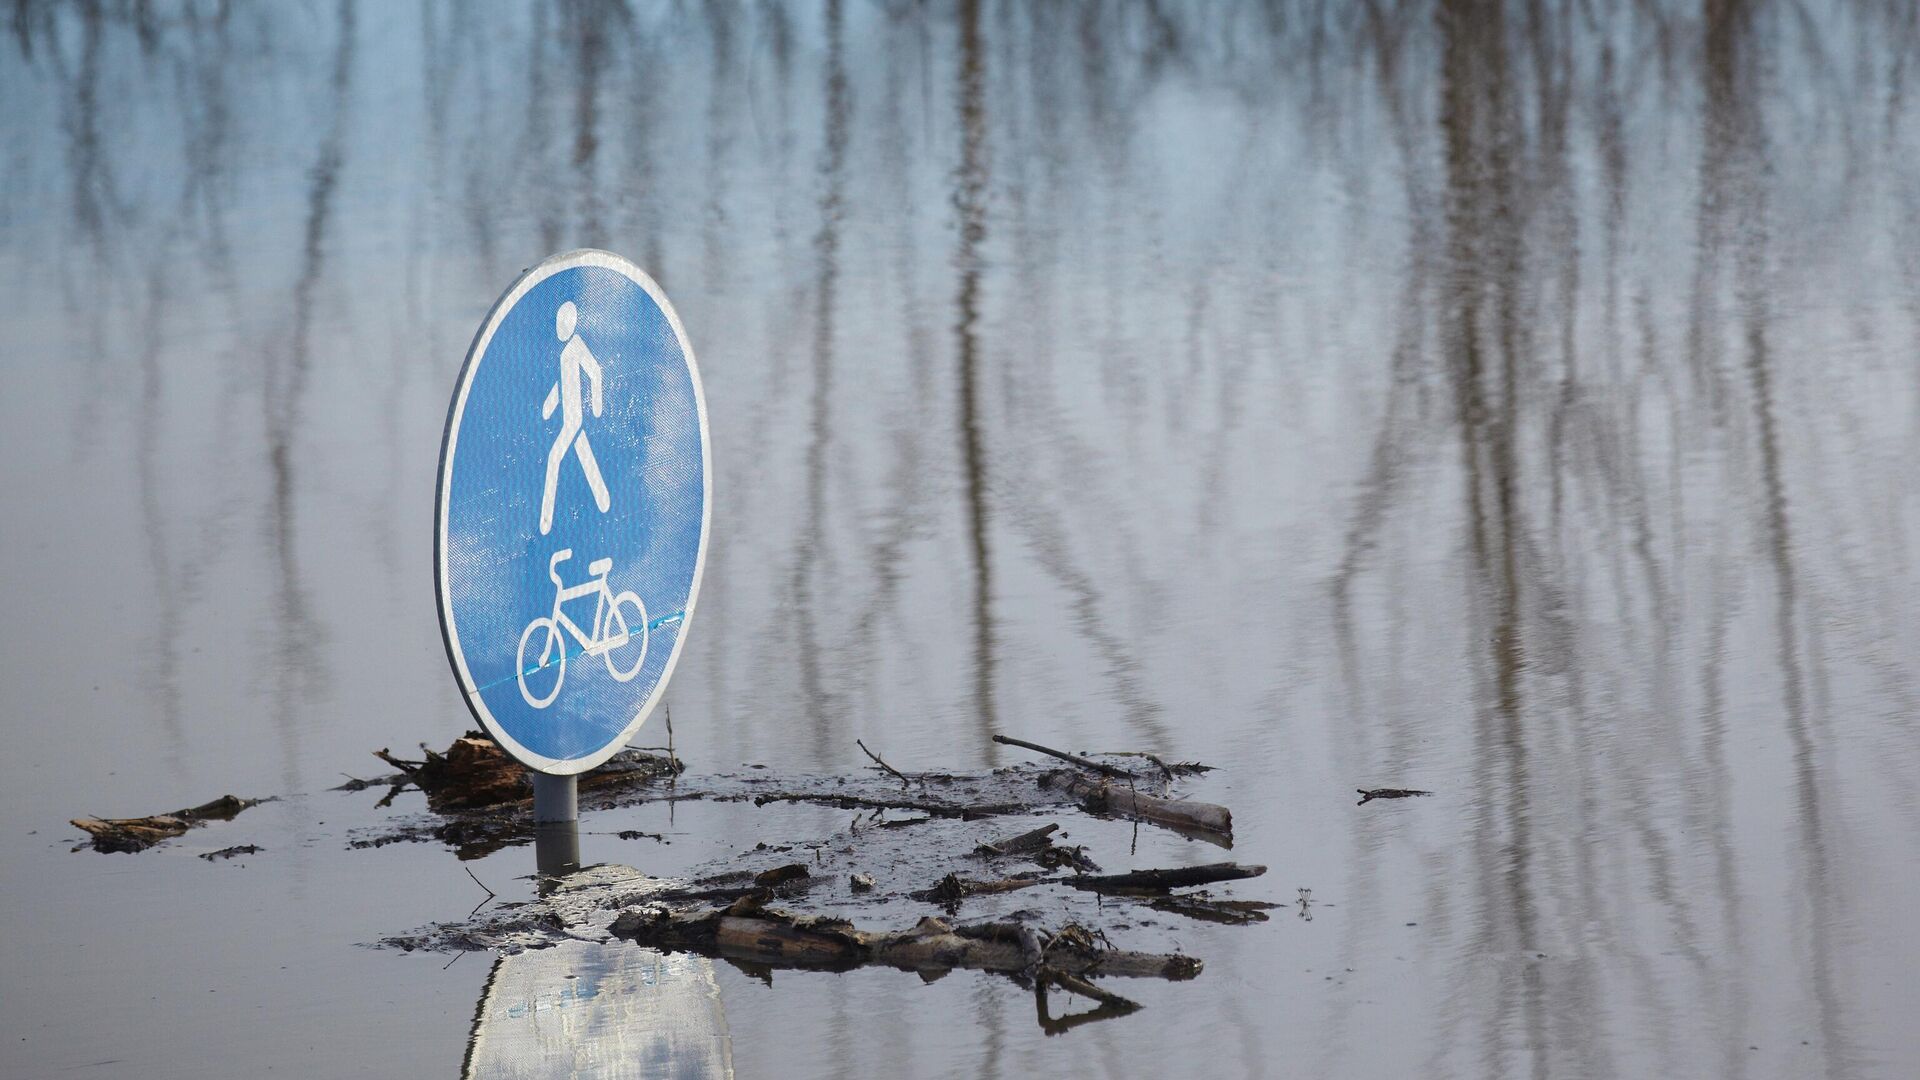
(1035, 840)
(1106, 797)
(780, 875)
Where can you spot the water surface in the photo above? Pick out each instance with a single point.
(1519, 404)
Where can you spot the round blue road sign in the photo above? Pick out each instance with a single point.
(571, 519)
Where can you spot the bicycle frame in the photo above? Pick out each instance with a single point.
(590, 641)
(593, 641)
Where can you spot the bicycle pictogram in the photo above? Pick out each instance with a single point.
(612, 631)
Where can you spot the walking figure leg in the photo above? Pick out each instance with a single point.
(592, 468)
(555, 457)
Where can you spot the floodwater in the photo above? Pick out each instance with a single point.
(1515, 403)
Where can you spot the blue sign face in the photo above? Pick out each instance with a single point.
(572, 517)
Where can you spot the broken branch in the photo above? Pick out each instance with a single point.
(882, 762)
(1159, 881)
(1076, 759)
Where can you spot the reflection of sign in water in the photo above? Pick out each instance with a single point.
(620, 483)
(586, 1010)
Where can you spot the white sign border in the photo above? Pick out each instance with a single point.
(448, 634)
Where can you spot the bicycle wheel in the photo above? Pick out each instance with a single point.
(550, 663)
(623, 661)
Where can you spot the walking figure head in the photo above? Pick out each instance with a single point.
(564, 320)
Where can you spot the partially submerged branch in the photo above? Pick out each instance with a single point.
(748, 931)
(138, 834)
(1083, 762)
(1104, 797)
(1367, 796)
(1160, 881)
(882, 762)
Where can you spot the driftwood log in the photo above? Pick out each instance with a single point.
(141, 833)
(1107, 797)
(1368, 795)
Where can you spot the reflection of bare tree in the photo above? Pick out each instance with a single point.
(813, 541)
(297, 631)
(1735, 159)
(1485, 338)
(719, 124)
(589, 28)
(907, 515)
(969, 201)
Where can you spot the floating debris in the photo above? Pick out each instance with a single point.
(139, 834)
(1367, 796)
(1105, 797)
(474, 773)
(228, 853)
(748, 930)
(852, 903)
(1206, 909)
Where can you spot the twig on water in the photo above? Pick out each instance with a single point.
(1076, 759)
(1367, 796)
(905, 781)
(483, 903)
(673, 760)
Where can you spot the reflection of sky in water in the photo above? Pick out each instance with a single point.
(1519, 410)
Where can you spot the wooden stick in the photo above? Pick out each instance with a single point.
(1076, 759)
(1074, 984)
(1159, 881)
(882, 762)
(848, 802)
(1026, 841)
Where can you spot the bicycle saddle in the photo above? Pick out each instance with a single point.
(599, 567)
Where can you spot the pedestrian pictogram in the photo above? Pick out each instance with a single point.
(575, 360)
